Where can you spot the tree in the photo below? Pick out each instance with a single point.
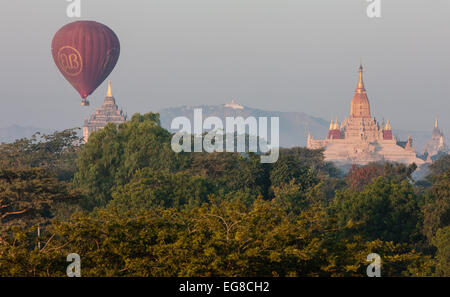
(55, 153)
(313, 159)
(29, 196)
(442, 242)
(149, 189)
(226, 237)
(113, 154)
(289, 167)
(232, 171)
(436, 210)
(438, 167)
(398, 171)
(359, 177)
(385, 210)
(348, 258)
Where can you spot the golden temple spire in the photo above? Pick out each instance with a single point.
(331, 124)
(336, 126)
(360, 107)
(436, 122)
(109, 93)
(360, 87)
(388, 126)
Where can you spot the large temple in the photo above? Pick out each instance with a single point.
(109, 112)
(359, 139)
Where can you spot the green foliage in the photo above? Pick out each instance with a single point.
(439, 166)
(144, 210)
(348, 258)
(29, 196)
(55, 153)
(436, 210)
(442, 242)
(225, 237)
(399, 172)
(291, 167)
(312, 159)
(385, 210)
(23, 254)
(148, 189)
(232, 171)
(115, 153)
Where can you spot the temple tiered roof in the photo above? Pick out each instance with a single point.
(109, 112)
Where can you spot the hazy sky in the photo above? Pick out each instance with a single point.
(286, 55)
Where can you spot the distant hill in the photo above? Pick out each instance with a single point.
(14, 132)
(294, 126)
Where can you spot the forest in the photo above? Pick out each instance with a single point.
(130, 206)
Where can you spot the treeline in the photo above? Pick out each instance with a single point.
(130, 206)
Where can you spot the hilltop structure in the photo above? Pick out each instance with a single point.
(234, 105)
(436, 145)
(359, 138)
(109, 112)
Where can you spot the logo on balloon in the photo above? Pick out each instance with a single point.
(70, 61)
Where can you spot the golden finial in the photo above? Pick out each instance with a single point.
(436, 122)
(388, 125)
(360, 87)
(109, 93)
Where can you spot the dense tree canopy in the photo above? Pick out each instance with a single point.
(130, 206)
(29, 196)
(436, 210)
(148, 189)
(385, 210)
(56, 153)
(113, 154)
(440, 166)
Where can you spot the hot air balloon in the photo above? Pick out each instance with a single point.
(85, 52)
